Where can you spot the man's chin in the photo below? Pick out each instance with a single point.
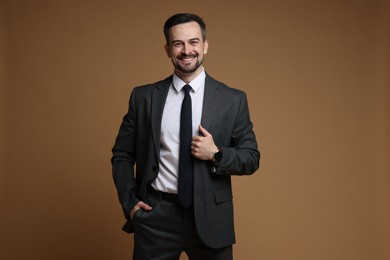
(187, 70)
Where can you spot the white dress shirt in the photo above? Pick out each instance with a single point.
(166, 180)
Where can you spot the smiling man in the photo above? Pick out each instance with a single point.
(186, 47)
(186, 135)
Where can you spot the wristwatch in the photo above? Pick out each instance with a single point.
(218, 156)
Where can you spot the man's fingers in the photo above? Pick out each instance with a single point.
(203, 130)
(143, 205)
(140, 205)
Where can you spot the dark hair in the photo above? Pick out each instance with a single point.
(183, 18)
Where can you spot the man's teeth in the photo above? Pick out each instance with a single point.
(187, 58)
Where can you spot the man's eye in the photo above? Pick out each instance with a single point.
(194, 42)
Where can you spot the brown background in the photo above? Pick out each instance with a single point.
(317, 77)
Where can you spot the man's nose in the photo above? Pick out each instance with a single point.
(187, 48)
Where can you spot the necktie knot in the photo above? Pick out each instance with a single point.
(187, 88)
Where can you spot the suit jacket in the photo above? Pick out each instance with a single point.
(226, 116)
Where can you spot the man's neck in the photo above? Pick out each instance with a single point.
(188, 77)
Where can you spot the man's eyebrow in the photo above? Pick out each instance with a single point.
(176, 41)
(180, 41)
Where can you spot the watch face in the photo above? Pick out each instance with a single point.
(218, 156)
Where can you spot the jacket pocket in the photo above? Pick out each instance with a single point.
(223, 195)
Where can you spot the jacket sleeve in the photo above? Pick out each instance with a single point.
(242, 156)
(124, 159)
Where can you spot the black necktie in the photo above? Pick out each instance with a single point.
(185, 185)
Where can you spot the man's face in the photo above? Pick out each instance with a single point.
(186, 48)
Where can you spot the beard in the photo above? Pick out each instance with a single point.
(182, 69)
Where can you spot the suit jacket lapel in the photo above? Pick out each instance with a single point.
(158, 98)
(210, 101)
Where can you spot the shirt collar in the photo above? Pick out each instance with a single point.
(195, 84)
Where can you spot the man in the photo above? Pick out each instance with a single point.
(185, 144)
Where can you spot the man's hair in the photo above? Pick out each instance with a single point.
(183, 18)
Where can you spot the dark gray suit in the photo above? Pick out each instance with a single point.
(226, 116)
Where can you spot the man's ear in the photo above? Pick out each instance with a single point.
(167, 50)
(206, 47)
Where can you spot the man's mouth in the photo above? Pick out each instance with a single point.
(187, 58)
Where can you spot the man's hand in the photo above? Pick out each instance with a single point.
(203, 147)
(138, 206)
